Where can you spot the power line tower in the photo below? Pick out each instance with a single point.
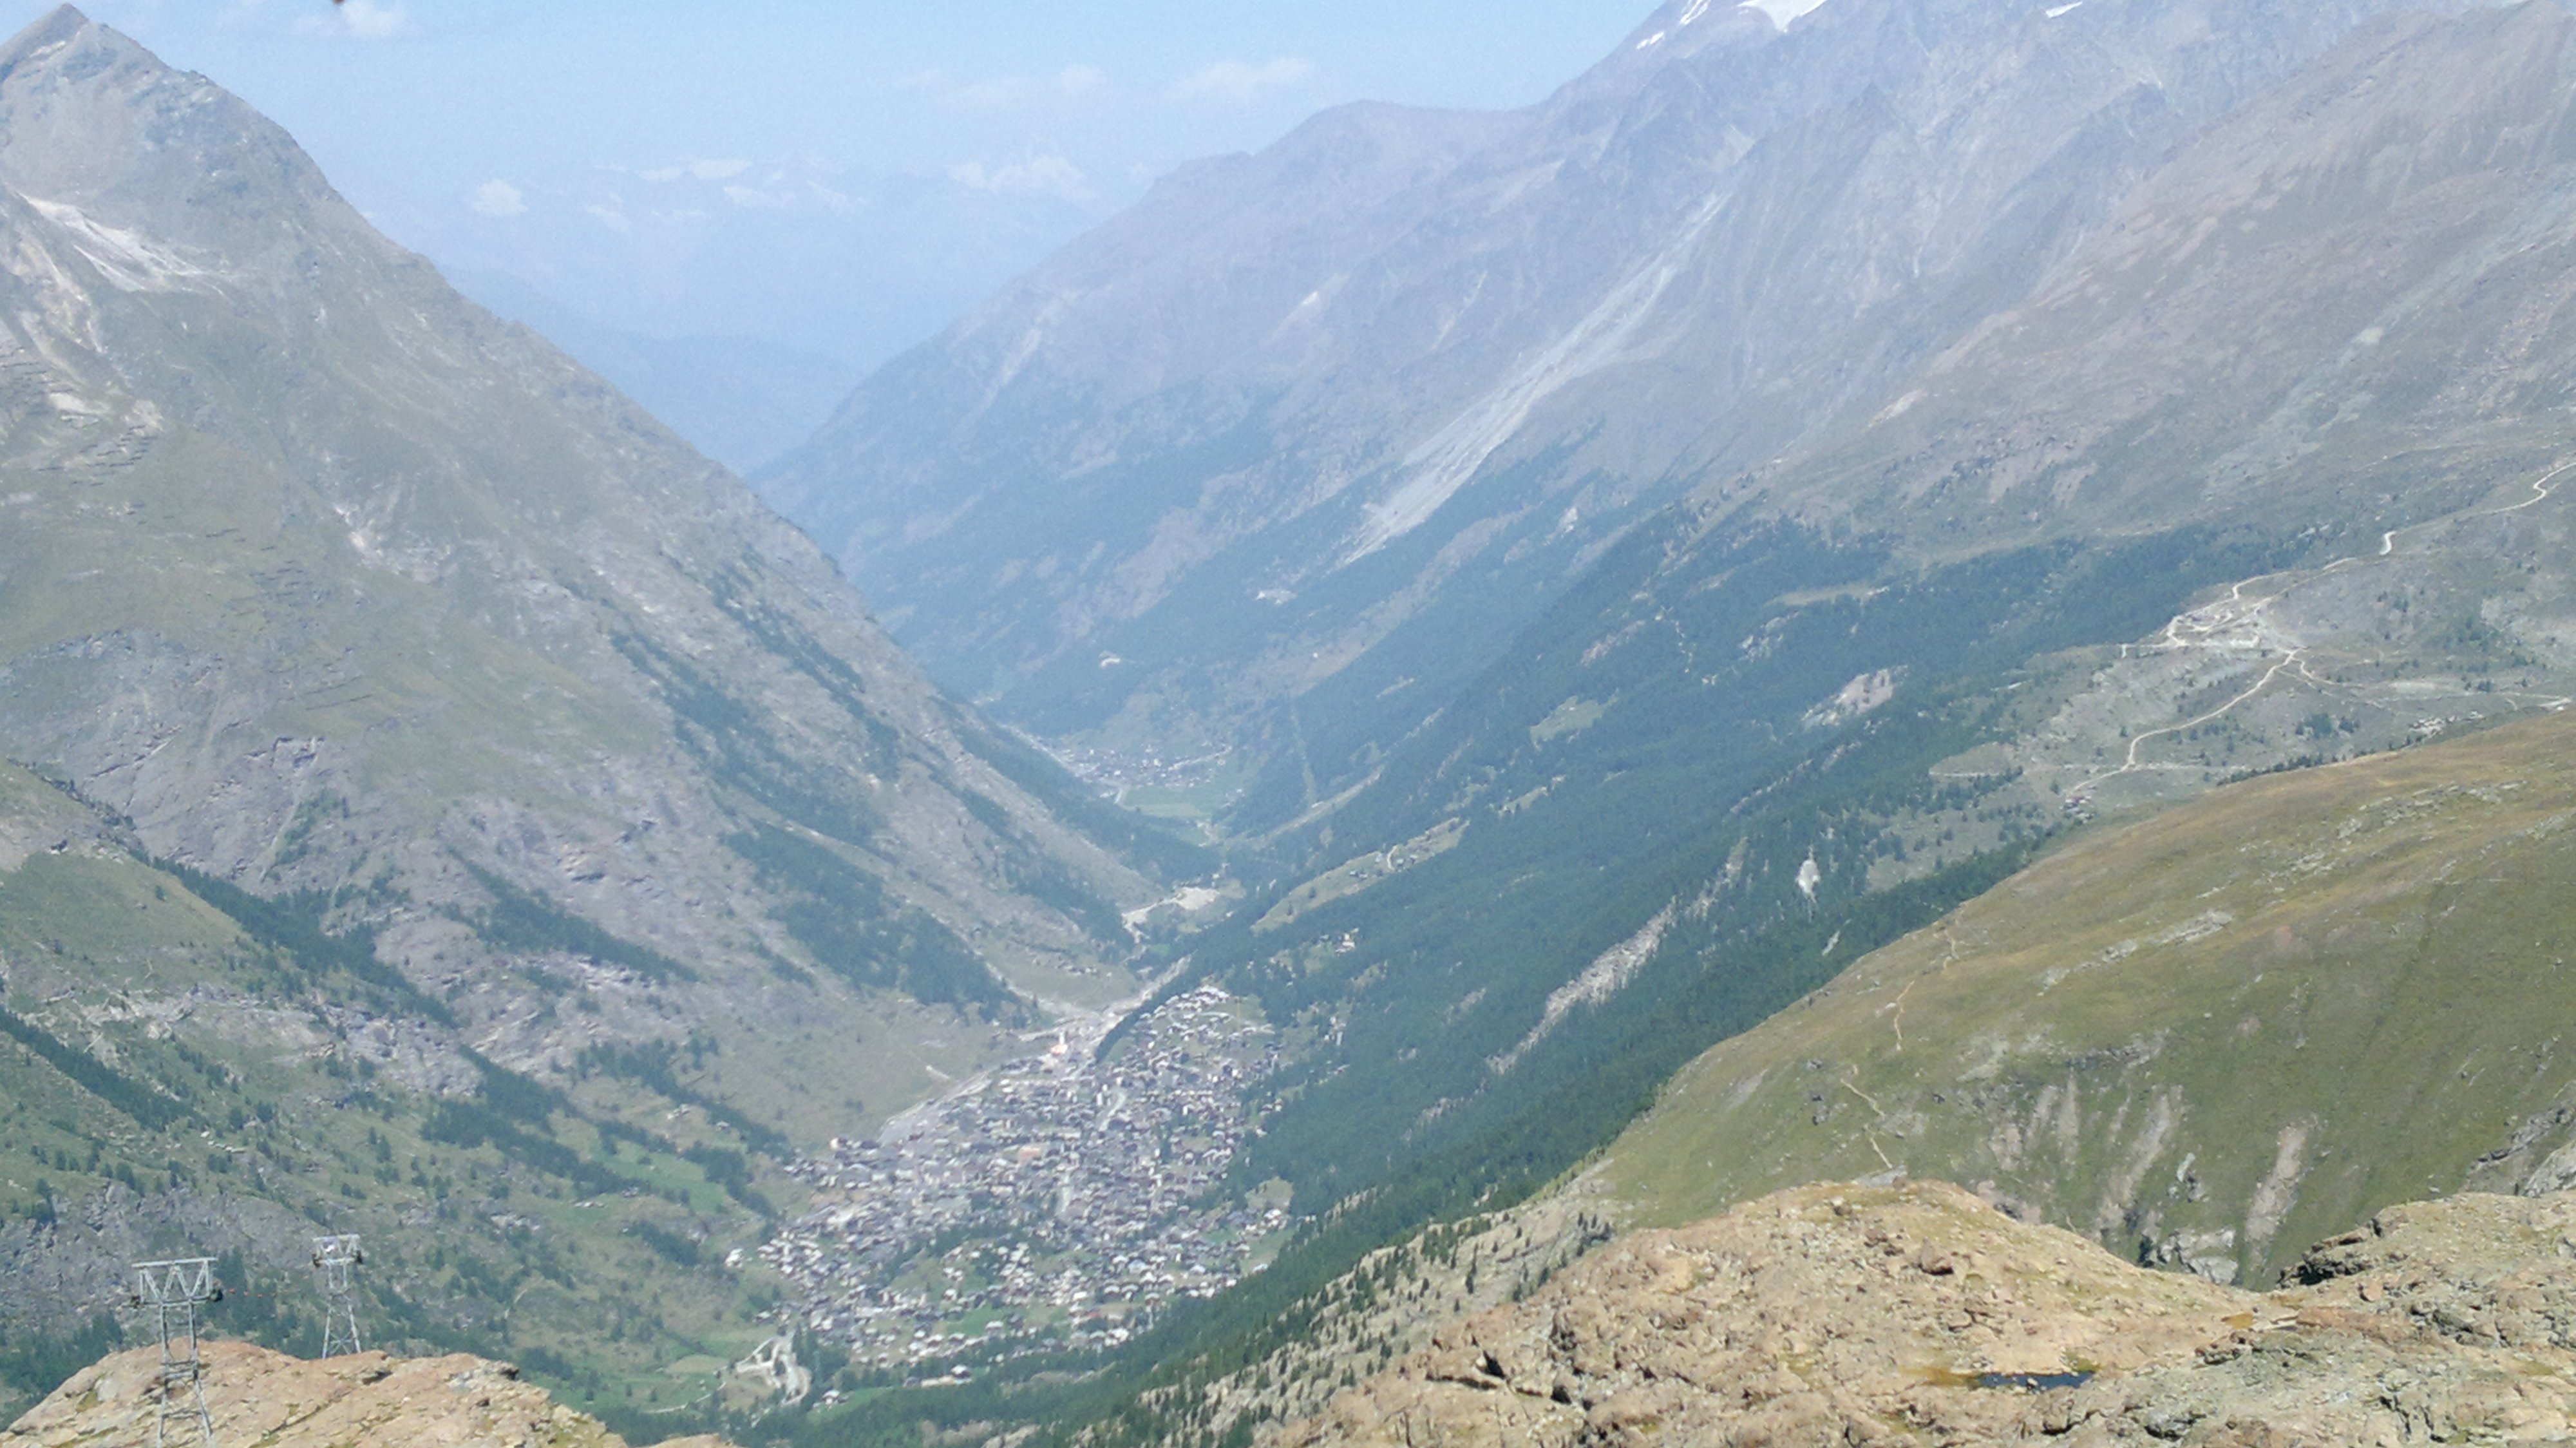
(173, 1292)
(335, 1268)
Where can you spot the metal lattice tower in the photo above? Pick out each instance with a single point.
(335, 1267)
(173, 1292)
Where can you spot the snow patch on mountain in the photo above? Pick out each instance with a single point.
(128, 261)
(1782, 12)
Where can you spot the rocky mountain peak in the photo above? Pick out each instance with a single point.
(1686, 27)
(57, 28)
(1915, 1312)
(100, 133)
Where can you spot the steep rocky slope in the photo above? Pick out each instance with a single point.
(263, 1397)
(2338, 298)
(1918, 1313)
(2335, 319)
(335, 587)
(332, 584)
(1327, 425)
(436, 800)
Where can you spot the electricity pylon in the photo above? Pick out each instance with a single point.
(173, 1292)
(335, 1266)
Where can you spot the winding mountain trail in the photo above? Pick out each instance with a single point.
(2133, 764)
(2540, 493)
(2237, 625)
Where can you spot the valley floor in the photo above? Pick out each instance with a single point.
(1059, 1201)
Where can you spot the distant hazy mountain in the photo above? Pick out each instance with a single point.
(1330, 423)
(2331, 309)
(807, 254)
(739, 400)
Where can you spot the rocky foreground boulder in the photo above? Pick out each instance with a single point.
(1918, 1314)
(275, 1401)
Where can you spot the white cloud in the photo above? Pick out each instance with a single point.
(1782, 12)
(1240, 82)
(1008, 92)
(350, 20)
(1038, 176)
(497, 197)
(353, 20)
(752, 198)
(1077, 81)
(708, 171)
(1001, 93)
(614, 219)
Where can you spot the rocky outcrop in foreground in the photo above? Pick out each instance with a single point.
(1917, 1313)
(275, 1401)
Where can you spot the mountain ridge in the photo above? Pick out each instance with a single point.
(439, 803)
(577, 610)
(1682, 263)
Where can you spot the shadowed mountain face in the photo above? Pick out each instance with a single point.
(322, 582)
(1329, 424)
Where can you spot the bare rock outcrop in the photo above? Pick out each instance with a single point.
(1917, 1313)
(258, 1396)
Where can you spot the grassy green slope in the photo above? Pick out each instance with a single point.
(181, 1077)
(2209, 1037)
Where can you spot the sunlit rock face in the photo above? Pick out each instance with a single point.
(1878, 1315)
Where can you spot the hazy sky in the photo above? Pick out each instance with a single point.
(835, 176)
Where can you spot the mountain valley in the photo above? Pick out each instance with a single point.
(1817, 705)
(1530, 727)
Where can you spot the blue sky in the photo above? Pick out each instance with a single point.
(838, 177)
